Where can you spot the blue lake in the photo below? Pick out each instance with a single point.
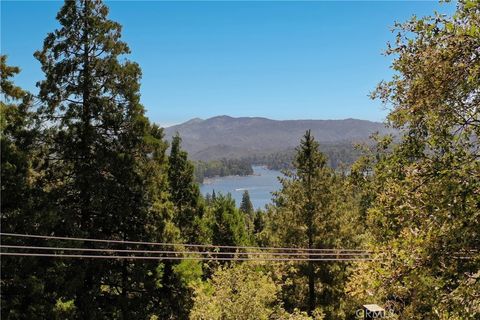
(260, 186)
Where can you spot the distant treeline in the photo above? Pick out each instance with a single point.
(338, 155)
(222, 168)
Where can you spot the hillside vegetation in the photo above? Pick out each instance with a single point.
(124, 233)
(224, 145)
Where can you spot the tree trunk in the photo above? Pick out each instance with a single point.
(86, 303)
(311, 282)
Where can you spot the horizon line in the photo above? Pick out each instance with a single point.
(171, 124)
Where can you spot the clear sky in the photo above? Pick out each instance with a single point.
(275, 59)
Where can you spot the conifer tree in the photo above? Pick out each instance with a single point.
(304, 215)
(310, 165)
(23, 280)
(17, 136)
(184, 191)
(228, 224)
(246, 205)
(106, 165)
(249, 214)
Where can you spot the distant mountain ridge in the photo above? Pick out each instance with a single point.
(228, 137)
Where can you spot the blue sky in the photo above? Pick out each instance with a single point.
(275, 59)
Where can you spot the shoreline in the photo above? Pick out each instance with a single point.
(210, 180)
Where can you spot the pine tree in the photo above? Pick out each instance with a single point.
(17, 137)
(305, 215)
(184, 191)
(246, 205)
(228, 222)
(24, 291)
(310, 165)
(109, 160)
(250, 216)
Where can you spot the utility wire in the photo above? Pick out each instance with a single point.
(178, 244)
(173, 258)
(179, 252)
(311, 254)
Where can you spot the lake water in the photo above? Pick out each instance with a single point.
(260, 186)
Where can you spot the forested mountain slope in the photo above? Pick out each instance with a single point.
(228, 137)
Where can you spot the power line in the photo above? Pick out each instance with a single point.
(179, 244)
(174, 258)
(300, 254)
(178, 252)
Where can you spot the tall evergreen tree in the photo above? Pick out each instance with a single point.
(106, 165)
(246, 205)
(17, 137)
(310, 165)
(24, 292)
(249, 214)
(305, 215)
(184, 191)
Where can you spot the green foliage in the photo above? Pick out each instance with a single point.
(252, 217)
(103, 169)
(228, 223)
(338, 155)
(64, 309)
(184, 191)
(237, 293)
(303, 199)
(244, 291)
(21, 203)
(424, 211)
(88, 163)
(222, 168)
(189, 271)
(17, 138)
(314, 209)
(246, 205)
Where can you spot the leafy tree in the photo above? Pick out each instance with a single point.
(106, 164)
(244, 291)
(223, 224)
(424, 212)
